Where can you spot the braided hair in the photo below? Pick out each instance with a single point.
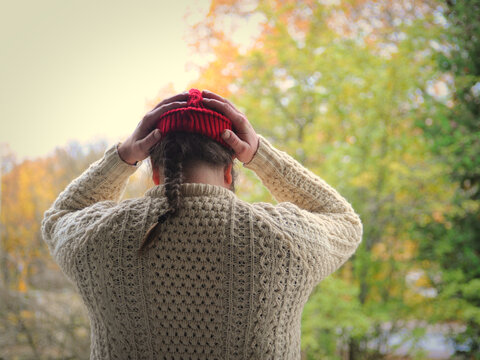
(173, 155)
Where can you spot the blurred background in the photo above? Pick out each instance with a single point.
(379, 98)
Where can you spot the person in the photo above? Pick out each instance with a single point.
(190, 271)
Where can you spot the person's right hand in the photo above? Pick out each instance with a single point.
(243, 140)
(137, 146)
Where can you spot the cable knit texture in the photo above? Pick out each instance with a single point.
(227, 279)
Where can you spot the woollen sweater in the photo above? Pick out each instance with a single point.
(227, 279)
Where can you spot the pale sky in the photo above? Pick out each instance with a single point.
(85, 69)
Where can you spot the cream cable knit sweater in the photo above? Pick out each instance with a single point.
(227, 279)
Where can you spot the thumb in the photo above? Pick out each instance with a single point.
(234, 141)
(150, 140)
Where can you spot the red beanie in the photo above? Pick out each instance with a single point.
(195, 117)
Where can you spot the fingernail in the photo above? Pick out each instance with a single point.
(226, 134)
(157, 134)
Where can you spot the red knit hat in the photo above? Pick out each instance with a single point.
(195, 117)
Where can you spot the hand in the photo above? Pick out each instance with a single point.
(244, 140)
(145, 136)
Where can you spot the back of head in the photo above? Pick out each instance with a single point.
(188, 148)
(173, 155)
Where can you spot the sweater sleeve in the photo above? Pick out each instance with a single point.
(86, 200)
(319, 221)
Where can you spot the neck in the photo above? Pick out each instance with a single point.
(200, 173)
(204, 174)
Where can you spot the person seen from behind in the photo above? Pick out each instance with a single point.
(190, 271)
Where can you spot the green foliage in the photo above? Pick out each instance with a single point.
(332, 312)
(334, 85)
(453, 129)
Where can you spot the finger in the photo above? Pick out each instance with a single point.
(235, 117)
(150, 119)
(211, 95)
(179, 97)
(234, 141)
(150, 140)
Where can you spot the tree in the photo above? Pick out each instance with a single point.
(334, 85)
(41, 315)
(452, 125)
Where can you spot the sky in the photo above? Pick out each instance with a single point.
(85, 70)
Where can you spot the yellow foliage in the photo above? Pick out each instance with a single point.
(28, 190)
(351, 139)
(26, 314)
(12, 318)
(405, 250)
(379, 251)
(22, 286)
(438, 217)
(400, 250)
(423, 281)
(362, 179)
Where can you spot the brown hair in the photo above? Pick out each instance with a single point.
(176, 152)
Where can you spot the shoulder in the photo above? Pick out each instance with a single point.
(275, 219)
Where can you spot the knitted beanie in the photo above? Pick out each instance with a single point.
(195, 117)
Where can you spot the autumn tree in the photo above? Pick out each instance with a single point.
(41, 315)
(334, 84)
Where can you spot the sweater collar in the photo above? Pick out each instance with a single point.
(193, 189)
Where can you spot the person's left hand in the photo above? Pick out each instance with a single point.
(136, 147)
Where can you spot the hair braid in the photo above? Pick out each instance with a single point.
(173, 173)
(172, 169)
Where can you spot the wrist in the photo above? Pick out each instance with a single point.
(121, 150)
(255, 152)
